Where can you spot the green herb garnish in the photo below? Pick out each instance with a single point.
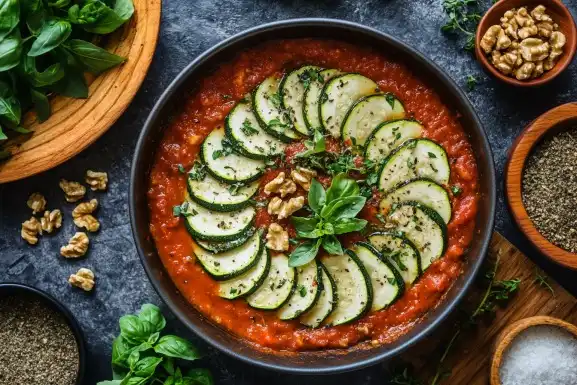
(227, 149)
(542, 280)
(308, 76)
(456, 190)
(198, 171)
(472, 82)
(247, 128)
(463, 18)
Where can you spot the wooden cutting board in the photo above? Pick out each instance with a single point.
(469, 359)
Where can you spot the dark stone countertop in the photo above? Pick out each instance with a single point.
(188, 28)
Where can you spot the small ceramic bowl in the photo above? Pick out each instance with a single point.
(558, 12)
(552, 121)
(51, 302)
(507, 336)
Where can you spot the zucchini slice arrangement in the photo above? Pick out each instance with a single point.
(413, 175)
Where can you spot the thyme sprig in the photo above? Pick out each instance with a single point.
(463, 19)
(542, 280)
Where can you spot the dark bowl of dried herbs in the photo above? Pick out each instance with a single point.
(41, 341)
(541, 183)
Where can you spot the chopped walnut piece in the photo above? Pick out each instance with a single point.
(30, 230)
(277, 238)
(83, 279)
(36, 202)
(83, 217)
(73, 191)
(303, 176)
(280, 185)
(293, 205)
(77, 246)
(96, 180)
(51, 220)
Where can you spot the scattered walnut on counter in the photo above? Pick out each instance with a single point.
(51, 220)
(96, 180)
(280, 185)
(77, 246)
(83, 279)
(82, 215)
(30, 230)
(36, 202)
(73, 191)
(303, 176)
(277, 238)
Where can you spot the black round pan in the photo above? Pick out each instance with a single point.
(320, 362)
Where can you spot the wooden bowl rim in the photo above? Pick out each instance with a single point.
(559, 68)
(520, 151)
(511, 332)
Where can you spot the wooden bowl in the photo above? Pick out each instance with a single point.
(560, 15)
(77, 123)
(557, 119)
(510, 332)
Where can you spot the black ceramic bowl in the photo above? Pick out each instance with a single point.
(309, 362)
(17, 288)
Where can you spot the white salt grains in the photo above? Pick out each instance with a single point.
(541, 355)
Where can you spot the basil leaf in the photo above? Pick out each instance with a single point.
(121, 349)
(3, 154)
(332, 245)
(146, 366)
(95, 59)
(73, 85)
(10, 51)
(318, 145)
(53, 33)
(343, 208)
(41, 104)
(153, 338)
(304, 253)
(30, 6)
(168, 365)
(304, 225)
(173, 346)
(50, 75)
(10, 110)
(35, 20)
(342, 187)
(134, 330)
(152, 314)
(134, 381)
(317, 196)
(9, 17)
(113, 382)
(124, 9)
(97, 17)
(348, 225)
(200, 376)
(59, 4)
(169, 381)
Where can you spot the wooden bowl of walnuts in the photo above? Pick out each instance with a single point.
(526, 42)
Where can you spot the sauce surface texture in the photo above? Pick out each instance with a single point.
(207, 107)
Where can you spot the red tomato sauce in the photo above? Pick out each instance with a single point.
(207, 106)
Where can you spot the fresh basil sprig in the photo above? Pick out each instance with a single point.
(140, 356)
(334, 213)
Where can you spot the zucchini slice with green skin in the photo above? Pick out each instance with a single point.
(221, 247)
(277, 287)
(267, 105)
(416, 158)
(424, 191)
(424, 228)
(218, 196)
(231, 168)
(325, 304)
(232, 263)
(209, 225)
(306, 294)
(367, 113)
(243, 129)
(292, 90)
(354, 289)
(311, 99)
(246, 283)
(338, 96)
(400, 252)
(389, 135)
(387, 283)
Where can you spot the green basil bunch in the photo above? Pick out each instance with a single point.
(141, 356)
(46, 46)
(334, 212)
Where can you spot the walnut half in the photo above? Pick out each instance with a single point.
(77, 246)
(82, 215)
(277, 238)
(283, 209)
(51, 220)
(280, 185)
(96, 180)
(30, 230)
(36, 202)
(73, 191)
(83, 279)
(303, 176)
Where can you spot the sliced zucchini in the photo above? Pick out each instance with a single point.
(306, 293)
(232, 263)
(387, 283)
(416, 158)
(423, 191)
(277, 287)
(311, 99)
(389, 135)
(209, 225)
(424, 228)
(325, 304)
(367, 113)
(338, 95)
(400, 252)
(292, 89)
(354, 290)
(225, 166)
(267, 105)
(219, 196)
(220, 247)
(247, 283)
(243, 129)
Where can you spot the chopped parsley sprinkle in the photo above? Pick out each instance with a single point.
(247, 128)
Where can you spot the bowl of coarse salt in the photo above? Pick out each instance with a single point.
(538, 350)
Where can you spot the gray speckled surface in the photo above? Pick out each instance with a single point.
(188, 28)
